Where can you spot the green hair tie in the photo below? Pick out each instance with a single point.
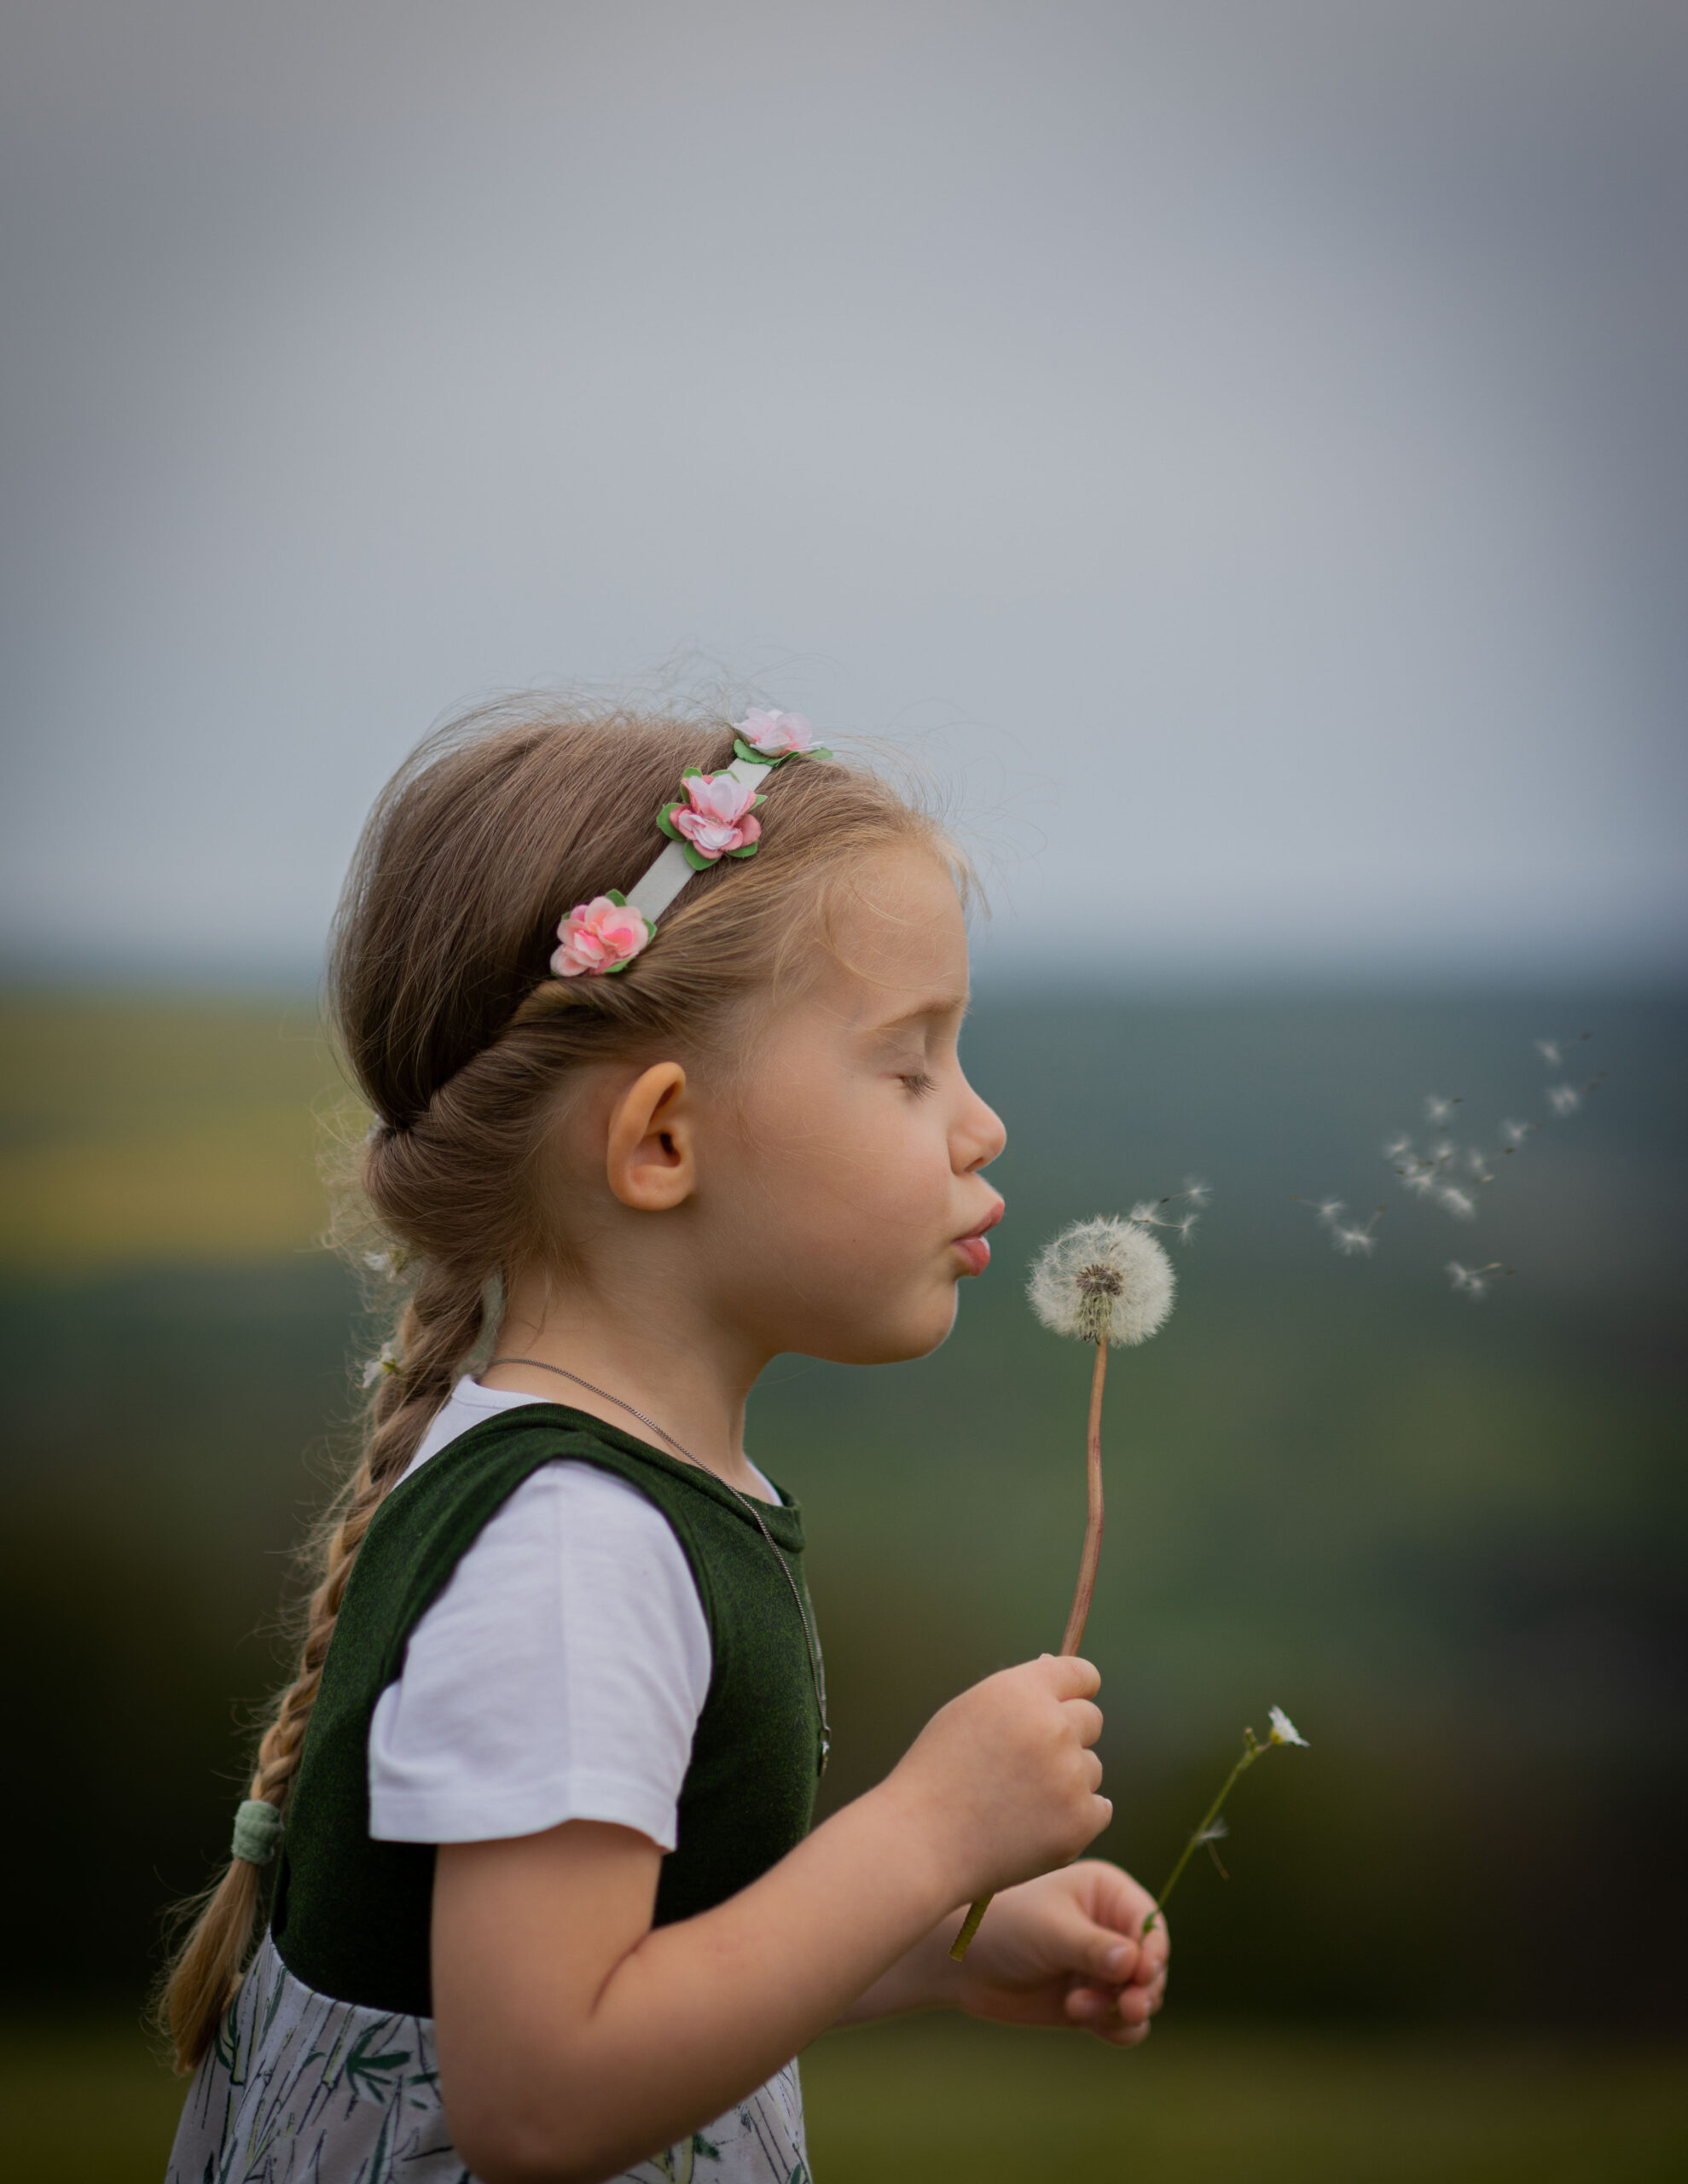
(258, 1830)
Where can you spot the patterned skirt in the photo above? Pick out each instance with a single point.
(302, 2089)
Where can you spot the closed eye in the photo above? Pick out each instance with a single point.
(917, 1082)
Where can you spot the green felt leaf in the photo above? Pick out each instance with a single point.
(667, 824)
(749, 849)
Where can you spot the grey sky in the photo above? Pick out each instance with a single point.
(1240, 446)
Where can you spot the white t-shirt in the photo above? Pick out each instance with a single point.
(561, 1674)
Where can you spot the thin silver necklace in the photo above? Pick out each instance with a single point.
(817, 1667)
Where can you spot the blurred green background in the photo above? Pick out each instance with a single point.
(1447, 1537)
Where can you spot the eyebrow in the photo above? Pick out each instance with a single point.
(946, 1004)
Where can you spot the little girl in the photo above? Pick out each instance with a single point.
(659, 1022)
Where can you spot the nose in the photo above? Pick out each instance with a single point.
(979, 1134)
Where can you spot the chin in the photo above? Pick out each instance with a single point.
(916, 1336)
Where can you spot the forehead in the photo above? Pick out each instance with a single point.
(898, 939)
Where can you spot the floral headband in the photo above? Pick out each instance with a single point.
(715, 817)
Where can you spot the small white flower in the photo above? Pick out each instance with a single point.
(1103, 1280)
(388, 1360)
(1564, 1100)
(1284, 1730)
(1438, 1110)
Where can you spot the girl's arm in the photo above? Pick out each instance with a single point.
(574, 2039)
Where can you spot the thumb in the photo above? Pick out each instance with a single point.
(1095, 1951)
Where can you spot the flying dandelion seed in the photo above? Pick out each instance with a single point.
(1109, 1282)
(1438, 1110)
(1563, 1099)
(1460, 1204)
(387, 1361)
(1516, 1133)
(1348, 1242)
(1474, 1280)
(1197, 1192)
(1551, 1052)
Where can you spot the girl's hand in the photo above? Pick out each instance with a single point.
(1001, 1782)
(1062, 1949)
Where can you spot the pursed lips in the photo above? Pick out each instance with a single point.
(974, 1246)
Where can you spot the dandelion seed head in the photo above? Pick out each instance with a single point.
(1103, 1280)
(1284, 1730)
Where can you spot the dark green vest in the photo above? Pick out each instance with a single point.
(351, 1915)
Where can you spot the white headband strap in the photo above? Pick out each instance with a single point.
(709, 822)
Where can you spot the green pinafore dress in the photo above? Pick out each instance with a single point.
(323, 2071)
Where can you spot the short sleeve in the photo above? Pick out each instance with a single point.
(558, 1677)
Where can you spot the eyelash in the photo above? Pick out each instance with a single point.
(917, 1082)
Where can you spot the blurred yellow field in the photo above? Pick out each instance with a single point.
(135, 1129)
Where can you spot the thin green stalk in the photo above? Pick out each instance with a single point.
(1251, 1752)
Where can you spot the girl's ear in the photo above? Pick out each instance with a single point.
(651, 1158)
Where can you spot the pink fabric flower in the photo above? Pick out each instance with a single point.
(720, 819)
(600, 935)
(777, 735)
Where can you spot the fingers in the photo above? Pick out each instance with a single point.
(1117, 1900)
(1069, 1677)
(1124, 2017)
(1085, 1716)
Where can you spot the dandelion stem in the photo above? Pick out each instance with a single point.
(1251, 1752)
(1073, 1638)
(1083, 1592)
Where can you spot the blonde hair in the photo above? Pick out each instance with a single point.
(455, 1032)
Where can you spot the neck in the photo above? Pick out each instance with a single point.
(694, 1381)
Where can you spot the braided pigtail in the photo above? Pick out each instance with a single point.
(439, 1326)
(458, 1035)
